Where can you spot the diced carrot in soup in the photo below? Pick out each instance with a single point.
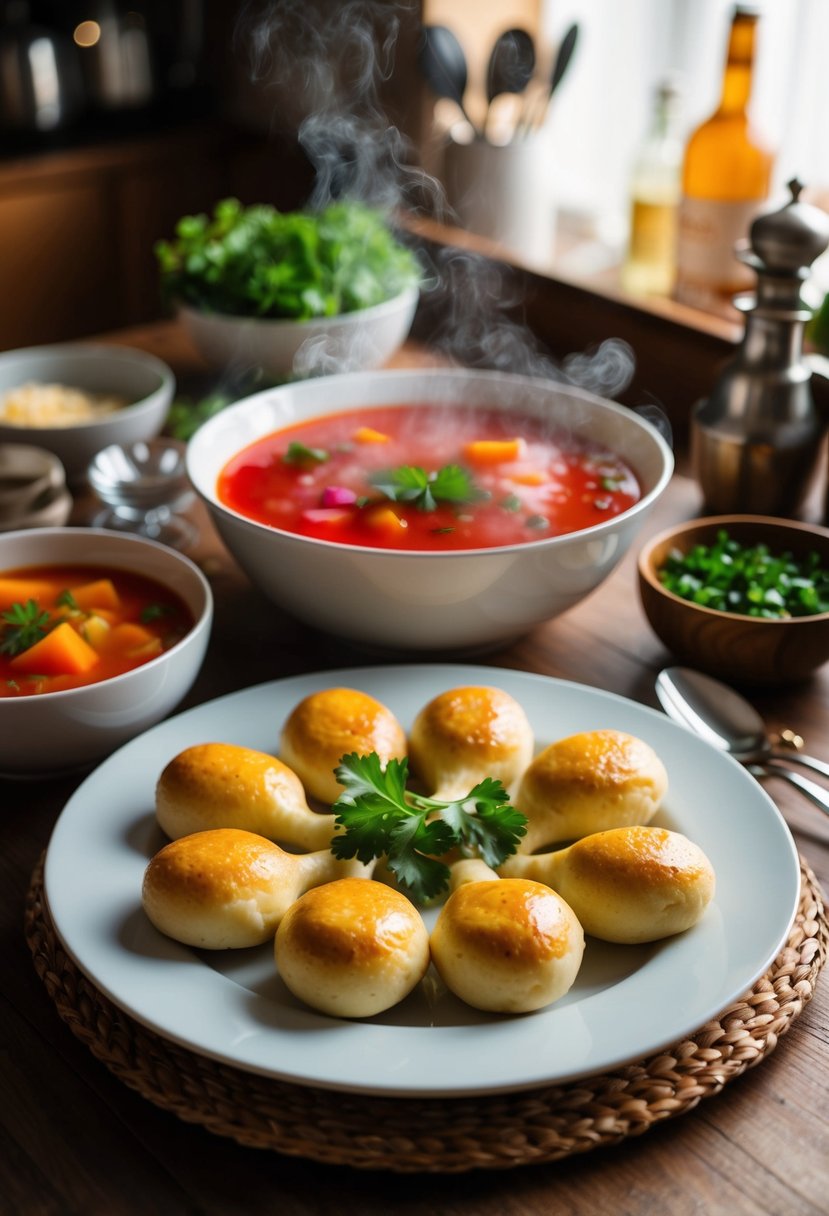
(21, 590)
(127, 636)
(493, 451)
(100, 594)
(63, 652)
(367, 434)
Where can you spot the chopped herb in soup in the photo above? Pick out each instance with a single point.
(65, 626)
(426, 477)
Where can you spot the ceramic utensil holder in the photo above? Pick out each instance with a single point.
(503, 192)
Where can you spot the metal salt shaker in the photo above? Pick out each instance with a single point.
(756, 440)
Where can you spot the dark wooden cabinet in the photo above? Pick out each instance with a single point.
(78, 227)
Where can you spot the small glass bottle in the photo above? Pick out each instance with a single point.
(726, 178)
(654, 199)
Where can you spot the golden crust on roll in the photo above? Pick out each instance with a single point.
(352, 948)
(510, 945)
(629, 885)
(332, 723)
(466, 734)
(220, 785)
(587, 783)
(220, 889)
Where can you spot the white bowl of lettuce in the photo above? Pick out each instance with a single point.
(293, 294)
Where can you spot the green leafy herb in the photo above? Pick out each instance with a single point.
(412, 484)
(154, 612)
(748, 579)
(381, 817)
(67, 600)
(24, 625)
(511, 503)
(186, 416)
(611, 484)
(298, 453)
(259, 262)
(537, 521)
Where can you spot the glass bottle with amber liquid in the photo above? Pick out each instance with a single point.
(726, 177)
(655, 189)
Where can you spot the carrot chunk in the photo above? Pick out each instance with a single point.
(530, 478)
(21, 590)
(127, 637)
(386, 519)
(493, 451)
(367, 434)
(100, 594)
(62, 652)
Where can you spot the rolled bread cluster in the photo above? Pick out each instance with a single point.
(353, 947)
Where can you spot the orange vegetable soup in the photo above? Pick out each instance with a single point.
(65, 626)
(426, 477)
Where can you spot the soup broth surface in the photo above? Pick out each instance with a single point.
(426, 477)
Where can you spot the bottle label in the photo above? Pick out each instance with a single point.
(707, 269)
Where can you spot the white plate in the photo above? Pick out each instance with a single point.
(627, 1001)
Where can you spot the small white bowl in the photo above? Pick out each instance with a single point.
(141, 379)
(354, 341)
(463, 600)
(57, 731)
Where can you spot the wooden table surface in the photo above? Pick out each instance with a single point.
(73, 1139)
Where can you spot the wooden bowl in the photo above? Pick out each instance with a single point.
(733, 647)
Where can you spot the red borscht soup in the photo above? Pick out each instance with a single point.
(426, 477)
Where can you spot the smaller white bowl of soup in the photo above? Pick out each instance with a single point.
(427, 510)
(75, 398)
(101, 635)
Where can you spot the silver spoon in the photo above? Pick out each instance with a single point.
(726, 720)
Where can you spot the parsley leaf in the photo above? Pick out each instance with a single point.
(381, 817)
(299, 453)
(25, 624)
(411, 483)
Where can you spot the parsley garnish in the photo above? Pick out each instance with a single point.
(381, 816)
(299, 453)
(748, 579)
(412, 484)
(25, 625)
(153, 612)
(67, 600)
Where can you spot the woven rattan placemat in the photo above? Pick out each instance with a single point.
(438, 1135)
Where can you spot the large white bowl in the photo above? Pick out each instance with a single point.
(459, 600)
(141, 379)
(55, 731)
(354, 341)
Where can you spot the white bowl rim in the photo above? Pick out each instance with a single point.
(402, 299)
(326, 383)
(200, 622)
(92, 351)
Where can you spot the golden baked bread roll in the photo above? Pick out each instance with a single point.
(330, 724)
(225, 889)
(220, 785)
(631, 885)
(587, 783)
(466, 734)
(352, 948)
(507, 945)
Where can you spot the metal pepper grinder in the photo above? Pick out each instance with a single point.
(757, 439)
